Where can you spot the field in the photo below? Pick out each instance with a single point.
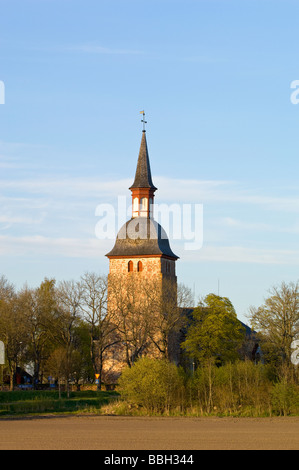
(138, 433)
(43, 421)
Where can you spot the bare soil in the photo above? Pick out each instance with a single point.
(129, 433)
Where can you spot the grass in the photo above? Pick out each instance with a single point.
(44, 402)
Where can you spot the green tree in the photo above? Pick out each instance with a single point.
(58, 366)
(12, 328)
(37, 306)
(215, 331)
(82, 334)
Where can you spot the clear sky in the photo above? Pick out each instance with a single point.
(214, 77)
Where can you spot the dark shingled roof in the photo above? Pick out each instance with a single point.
(143, 177)
(142, 236)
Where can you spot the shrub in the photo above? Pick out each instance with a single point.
(285, 399)
(235, 389)
(156, 385)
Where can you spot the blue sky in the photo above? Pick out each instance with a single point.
(214, 77)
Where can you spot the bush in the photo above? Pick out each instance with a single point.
(241, 388)
(156, 385)
(285, 399)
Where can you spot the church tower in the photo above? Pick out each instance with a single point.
(142, 282)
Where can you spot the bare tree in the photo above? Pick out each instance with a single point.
(150, 317)
(278, 318)
(65, 319)
(131, 311)
(7, 290)
(102, 328)
(168, 303)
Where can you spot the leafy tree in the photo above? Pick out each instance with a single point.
(215, 331)
(82, 334)
(12, 328)
(57, 366)
(37, 307)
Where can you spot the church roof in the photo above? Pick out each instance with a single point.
(142, 236)
(143, 176)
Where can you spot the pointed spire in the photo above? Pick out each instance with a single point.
(143, 177)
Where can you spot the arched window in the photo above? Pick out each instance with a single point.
(139, 267)
(143, 207)
(135, 207)
(130, 266)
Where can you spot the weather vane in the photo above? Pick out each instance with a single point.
(143, 120)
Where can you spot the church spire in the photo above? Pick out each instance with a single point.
(143, 188)
(143, 176)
